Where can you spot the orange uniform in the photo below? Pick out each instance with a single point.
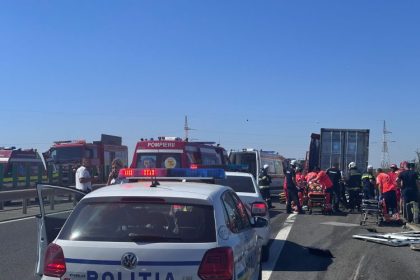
(324, 179)
(384, 182)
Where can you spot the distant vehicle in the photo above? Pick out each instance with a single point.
(340, 146)
(144, 230)
(64, 157)
(20, 168)
(253, 160)
(173, 152)
(245, 186)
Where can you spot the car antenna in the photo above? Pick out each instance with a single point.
(155, 182)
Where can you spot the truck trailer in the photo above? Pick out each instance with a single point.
(341, 146)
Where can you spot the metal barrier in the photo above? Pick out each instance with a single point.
(26, 195)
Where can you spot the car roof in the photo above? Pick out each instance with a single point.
(168, 189)
(241, 174)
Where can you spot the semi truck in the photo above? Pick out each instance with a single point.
(64, 157)
(341, 146)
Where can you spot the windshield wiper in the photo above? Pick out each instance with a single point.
(136, 237)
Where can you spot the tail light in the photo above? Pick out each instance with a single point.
(54, 263)
(217, 264)
(259, 209)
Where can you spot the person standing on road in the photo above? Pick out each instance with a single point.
(113, 178)
(264, 182)
(335, 176)
(292, 190)
(354, 183)
(368, 183)
(327, 185)
(387, 191)
(83, 178)
(408, 180)
(393, 175)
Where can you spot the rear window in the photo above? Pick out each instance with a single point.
(136, 221)
(247, 159)
(159, 160)
(239, 184)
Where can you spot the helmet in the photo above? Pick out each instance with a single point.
(369, 167)
(293, 162)
(265, 166)
(352, 165)
(393, 166)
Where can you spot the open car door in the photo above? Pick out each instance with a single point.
(55, 203)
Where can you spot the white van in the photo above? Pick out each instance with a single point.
(252, 161)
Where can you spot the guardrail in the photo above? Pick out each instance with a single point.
(27, 194)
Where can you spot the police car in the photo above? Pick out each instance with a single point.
(148, 230)
(247, 189)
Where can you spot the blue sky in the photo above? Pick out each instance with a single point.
(262, 74)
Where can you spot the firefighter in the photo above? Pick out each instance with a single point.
(335, 176)
(354, 183)
(292, 190)
(264, 184)
(368, 183)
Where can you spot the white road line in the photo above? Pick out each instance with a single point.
(17, 220)
(277, 247)
(357, 272)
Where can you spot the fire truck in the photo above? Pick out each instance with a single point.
(64, 157)
(174, 152)
(20, 168)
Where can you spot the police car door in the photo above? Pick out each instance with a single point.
(244, 240)
(55, 203)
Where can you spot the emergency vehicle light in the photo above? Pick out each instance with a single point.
(146, 172)
(215, 173)
(237, 167)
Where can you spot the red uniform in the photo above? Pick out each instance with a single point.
(324, 179)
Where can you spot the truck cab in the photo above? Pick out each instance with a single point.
(64, 157)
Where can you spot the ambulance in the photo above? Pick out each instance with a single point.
(174, 152)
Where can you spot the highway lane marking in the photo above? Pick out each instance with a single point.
(17, 220)
(277, 247)
(340, 224)
(34, 216)
(357, 272)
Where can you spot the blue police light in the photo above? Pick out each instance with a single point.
(215, 173)
(238, 167)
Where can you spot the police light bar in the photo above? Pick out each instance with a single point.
(237, 167)
(138, 173)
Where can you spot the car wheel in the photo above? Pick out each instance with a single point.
(265, 254)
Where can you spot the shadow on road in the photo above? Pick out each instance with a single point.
(295, 257)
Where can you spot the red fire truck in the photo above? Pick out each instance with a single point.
(173, 152)
(20, 168)
(64, 157)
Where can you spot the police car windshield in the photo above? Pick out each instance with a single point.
(158, 160)
(136, 221)
(239, 183)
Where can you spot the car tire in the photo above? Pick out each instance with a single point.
(265, 253)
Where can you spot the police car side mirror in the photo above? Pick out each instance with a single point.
(259, 222)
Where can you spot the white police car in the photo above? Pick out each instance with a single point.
(157, 230)
(247, 189)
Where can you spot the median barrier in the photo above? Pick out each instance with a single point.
(24, 196)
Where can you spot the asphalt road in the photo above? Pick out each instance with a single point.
(302, 246)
